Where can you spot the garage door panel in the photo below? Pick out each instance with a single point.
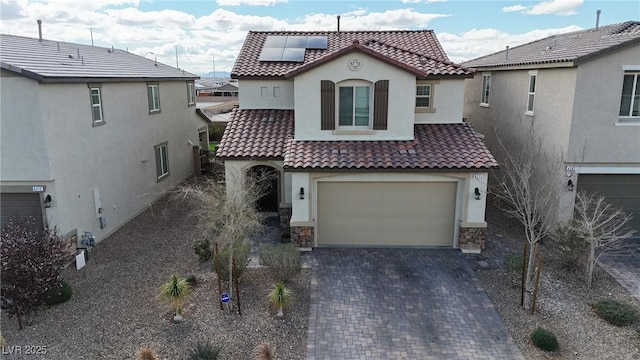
(20, 205)
(620, 190)
(381, 213)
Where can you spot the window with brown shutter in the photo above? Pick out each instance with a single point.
(380, 104)
(327, 105)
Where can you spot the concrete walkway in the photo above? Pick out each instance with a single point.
(401, 304)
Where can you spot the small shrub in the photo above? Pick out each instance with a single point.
(615, 312)
(513, 266)
(202, 248)
(146, 353)
(283, 260)
(572, 247)
(264, 351)
(177, 291)
(241, 251)
(544, 339)
(204, 351)
(192, 280)
(57, 294)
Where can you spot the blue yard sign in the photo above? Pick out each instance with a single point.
(224, 297)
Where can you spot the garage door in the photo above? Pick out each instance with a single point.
(386, 214)
(20, 205)
(619, 190)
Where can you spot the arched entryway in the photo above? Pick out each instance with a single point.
(267, 179)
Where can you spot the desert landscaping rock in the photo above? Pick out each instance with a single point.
(116, 310)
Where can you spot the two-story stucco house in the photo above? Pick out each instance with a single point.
(365, 131)
(581, 92)
(90, 135)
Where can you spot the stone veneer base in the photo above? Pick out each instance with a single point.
(472, 240)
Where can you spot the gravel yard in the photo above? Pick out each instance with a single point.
(563, 305)
(115, 309)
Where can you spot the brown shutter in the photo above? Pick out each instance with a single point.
(327, 105)
(380, 105)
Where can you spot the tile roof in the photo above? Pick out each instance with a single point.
(436, 146)
(268, 134)
(417, 51)
(51, 61)
(576, 47)
(256, 134)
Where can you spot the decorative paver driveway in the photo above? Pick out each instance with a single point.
(625, 268)
(402, 304)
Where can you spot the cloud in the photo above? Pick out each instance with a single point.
(555, 7)
(11, 9)
(550, 7)
(479, 42)
(249, 2)
(514, 8)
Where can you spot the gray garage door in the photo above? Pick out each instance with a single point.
(386, 213)
(619, 190)
(20, 205)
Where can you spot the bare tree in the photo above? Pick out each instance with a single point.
(226, 216)
(528, 190)
(602, 226)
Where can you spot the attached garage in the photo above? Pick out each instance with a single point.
(620, 190)
(386, 213)
(20, 205)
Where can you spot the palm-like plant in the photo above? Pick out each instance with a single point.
(177, 291)
(280, 297)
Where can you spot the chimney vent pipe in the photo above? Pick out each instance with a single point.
(597, 18)
(39, 30)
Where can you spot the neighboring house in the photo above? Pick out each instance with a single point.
(365, 134)
(91, 136)
(207, 87)
(581, 92)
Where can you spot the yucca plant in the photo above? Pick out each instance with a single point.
(280, 297)
(176, 290)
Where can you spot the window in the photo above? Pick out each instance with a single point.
(162, 161)
(153, 94)
(354, 105)
(264, 91)
(630, 98)
(191, 93)
(96, 104)
(276, 91)
(486, 88)
(423, 96)
(532, 92)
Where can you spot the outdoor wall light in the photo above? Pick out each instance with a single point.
(477, 193)
(301, 193)
(47, 201)
(570, 185)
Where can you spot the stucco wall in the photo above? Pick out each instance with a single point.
(117, 158)
(595, 138)
(24, 145)
(401, 106)
(505, 116)
(251, 94)
(448, 102)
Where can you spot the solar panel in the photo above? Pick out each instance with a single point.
(275, 42)
(316, 42)
(271, 54)
(290, 48)
(293, 54)
(296, 42)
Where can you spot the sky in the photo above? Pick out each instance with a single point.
(208, 34)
